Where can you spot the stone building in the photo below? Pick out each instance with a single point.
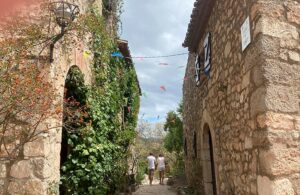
(37, 171)
(241, 97)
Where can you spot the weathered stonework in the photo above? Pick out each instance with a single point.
(249, 107)
(36, 171)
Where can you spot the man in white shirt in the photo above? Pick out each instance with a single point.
(151, 166)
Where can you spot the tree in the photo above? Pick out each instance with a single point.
(174, 139)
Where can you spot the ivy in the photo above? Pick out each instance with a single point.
(97, 162)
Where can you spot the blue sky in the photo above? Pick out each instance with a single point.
(155, 28)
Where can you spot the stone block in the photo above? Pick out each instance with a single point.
(264, 186)
(276, 28)
(35, 148)
(293, 13)
(279, 160)
(21, 169)
(246, 80)
(248, 143)
(42, 168)
(16, 188)
(278, 72)
(297, 123)
(257, 75)
(283, 186)
(227, 49)
(277, 187)
(295, 179)
(289, 43)
(282, 98)
(276, 121)
(34, 187)
(257, 101)
(270, 9)
(2, 170)
(294, 56)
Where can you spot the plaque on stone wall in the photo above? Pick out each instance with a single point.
(246, 35)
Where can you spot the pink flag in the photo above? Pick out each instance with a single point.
(163, 88)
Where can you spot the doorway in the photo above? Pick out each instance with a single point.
(74, 100)
(208, 163)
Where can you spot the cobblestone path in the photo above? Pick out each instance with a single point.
(155, 189)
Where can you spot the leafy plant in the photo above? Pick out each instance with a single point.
(97, 163)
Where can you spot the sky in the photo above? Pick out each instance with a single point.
(156, 28)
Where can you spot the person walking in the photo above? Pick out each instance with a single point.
(151, 166)
(161, 168)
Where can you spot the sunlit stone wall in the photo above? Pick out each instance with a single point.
(37, 170)
(250, 102)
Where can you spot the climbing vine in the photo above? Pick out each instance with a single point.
(97, 162)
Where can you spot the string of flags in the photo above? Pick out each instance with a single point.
(163, 64)
(118, 54)
(162, 88)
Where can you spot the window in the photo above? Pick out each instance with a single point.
(203, 61)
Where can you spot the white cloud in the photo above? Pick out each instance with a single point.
(153, 28)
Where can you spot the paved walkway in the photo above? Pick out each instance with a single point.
(155, 189)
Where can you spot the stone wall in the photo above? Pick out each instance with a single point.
(37, 169)
(250, 103)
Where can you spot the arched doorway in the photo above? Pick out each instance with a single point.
(74, 101)
(209, 177)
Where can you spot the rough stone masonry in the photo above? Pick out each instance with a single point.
(242, 123)
(37, 170)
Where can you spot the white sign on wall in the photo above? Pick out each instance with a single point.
(245, 32)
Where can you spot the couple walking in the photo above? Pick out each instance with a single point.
(160, 164)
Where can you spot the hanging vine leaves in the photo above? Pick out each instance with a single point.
(98, 161)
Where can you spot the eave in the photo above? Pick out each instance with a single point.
(198, 23)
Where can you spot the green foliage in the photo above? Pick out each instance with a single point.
(174, 139)
(97, 163)
(142, 169)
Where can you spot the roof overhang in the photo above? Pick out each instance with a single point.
(199, 19)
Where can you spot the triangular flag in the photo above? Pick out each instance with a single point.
(86, 54)
(117, 54)
(163, 88)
